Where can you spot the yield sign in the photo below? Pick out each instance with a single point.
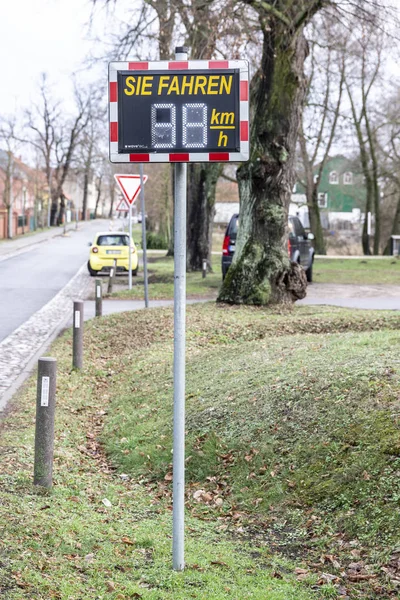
(123, 205)
(129, 186)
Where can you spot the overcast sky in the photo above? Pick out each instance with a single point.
(39, 36)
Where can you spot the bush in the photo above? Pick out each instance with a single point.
(155, 241)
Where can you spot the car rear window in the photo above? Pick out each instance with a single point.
(233, 227)
(113, 240)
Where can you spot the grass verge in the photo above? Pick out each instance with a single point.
(161, 281)
(382, 271)
(292, 461)
(357, 271)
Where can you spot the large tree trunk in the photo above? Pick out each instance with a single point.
(201, 200)
(166, 217)
(112, 198)
(395, 229)
(61, 210)
(365, 238)
(315, 222)
(261, 272)
(85, 195)
(99, 182)
(54, 208)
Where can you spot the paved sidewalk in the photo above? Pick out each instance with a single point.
(23, 243)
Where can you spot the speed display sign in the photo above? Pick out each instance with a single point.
(179, 111)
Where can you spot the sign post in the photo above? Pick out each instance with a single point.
(144, 241)
(179, 111)
(178, 484)
(130, 187)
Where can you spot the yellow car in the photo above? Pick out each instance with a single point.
(107, 247)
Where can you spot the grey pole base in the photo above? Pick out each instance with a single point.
(44, 431)
(77, 345)
(99, 298)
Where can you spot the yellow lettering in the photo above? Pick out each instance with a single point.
(187, 84)
(139, 83)
(201, 82)
(174, 86)
(223, 139)
(212, 87)
(226, 82)
(163, 83)
(129, 82)
(147, 85)
(227, 118)
(215, 117)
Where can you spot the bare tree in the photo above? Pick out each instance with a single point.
(321, 112)
(364, 75)
(9, 140)
(388, 129)
(43, 121)
(56, 138)
(91, 150)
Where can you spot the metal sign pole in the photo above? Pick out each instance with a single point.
(144, 243)
(178, 541)
(130, 249)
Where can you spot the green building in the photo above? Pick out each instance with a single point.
(341, 193)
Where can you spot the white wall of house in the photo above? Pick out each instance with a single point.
(224, 211)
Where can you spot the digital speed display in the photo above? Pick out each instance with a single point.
(187, 114)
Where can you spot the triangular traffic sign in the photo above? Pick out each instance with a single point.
(123, 205)
(129, 186)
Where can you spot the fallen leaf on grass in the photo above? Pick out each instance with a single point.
(300, 571)
(110, 586)
(276, 575)
(327, 578)
(89, 558)
(219, 563)
(301, 574)
(196, 568)
(126, 540)
(360, 577)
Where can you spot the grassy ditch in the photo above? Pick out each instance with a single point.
(293, 461)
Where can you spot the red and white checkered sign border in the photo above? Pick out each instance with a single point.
(164, 65)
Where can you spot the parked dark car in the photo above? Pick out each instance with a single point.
(299, 245)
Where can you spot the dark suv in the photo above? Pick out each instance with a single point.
(299, 245)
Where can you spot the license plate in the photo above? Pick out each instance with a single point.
(113, 251)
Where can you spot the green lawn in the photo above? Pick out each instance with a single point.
(161, 281)
(292, 460)
(357, 271)
(342, 271)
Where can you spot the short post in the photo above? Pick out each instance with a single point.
(99, 298)
(77, 346)
(204, 271)
(44, 431)
(111, 278)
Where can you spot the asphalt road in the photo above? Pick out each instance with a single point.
(31, 279)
